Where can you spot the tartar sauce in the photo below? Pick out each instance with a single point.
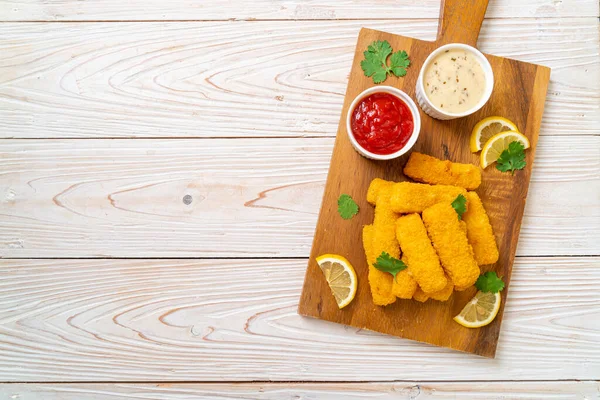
(454, 81)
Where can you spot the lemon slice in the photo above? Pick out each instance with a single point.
(488, 127)
(498, 143)
(340, 276)
(480, 311)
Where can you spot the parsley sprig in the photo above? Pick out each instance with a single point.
(375, 63)
(387, 263)
(347, 207)
(489, 282)
(512, 158)
(460, 205)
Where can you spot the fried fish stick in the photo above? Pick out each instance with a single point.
(419, 255)
(423, 168)
(375, 188)
(410, 197)
(384, 239)
(479, 231)
(420, 295)
(451, 244)
(442, 295)
(445, 293)
(379, 281)
(404, 285)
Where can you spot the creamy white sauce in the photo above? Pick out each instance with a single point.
(454, 81)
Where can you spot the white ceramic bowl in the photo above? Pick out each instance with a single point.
(414, 110)
(434, 111)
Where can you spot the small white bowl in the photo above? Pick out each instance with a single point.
(414, 110)
(434, 111)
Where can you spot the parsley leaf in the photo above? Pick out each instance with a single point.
(375, 63)
(399, 62)
(460, 205)
(347, 207)
(512, 158)
(387, 263)
(380, 49)
(489, 282)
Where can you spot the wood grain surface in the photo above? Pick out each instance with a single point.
(246, 79)
(141, 10)
(282, 77)
(459, 22)
(587, 390)
(519, 94)
(236, 320)
(249, 198)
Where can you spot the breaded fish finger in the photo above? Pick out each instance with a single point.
(384, 240)
(408, 197)
(419, 255)
(442, 295)
(420, 295)
(379, 281)
(463, 225)
(404, 285)
(375, 188)
(479, 231)
(445, 293)
(451, 244)
(423, 168)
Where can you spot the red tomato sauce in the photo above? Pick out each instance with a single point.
(382, 123)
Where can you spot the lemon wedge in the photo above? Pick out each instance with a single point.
(480, 311)
(498, 143)
(340, 276)
(488, 127)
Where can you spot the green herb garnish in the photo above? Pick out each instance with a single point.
(460, 205)
(387, 263)
(489, 283)
(375, 63)
(512, 158)
(347, 207)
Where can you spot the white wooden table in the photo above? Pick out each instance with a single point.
(161, 169)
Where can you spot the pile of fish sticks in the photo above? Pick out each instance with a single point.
(415, 222)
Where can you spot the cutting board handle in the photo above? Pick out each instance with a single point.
(460, 21)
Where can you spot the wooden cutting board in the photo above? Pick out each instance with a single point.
(519, 95)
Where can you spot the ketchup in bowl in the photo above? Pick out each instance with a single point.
(382, 123)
